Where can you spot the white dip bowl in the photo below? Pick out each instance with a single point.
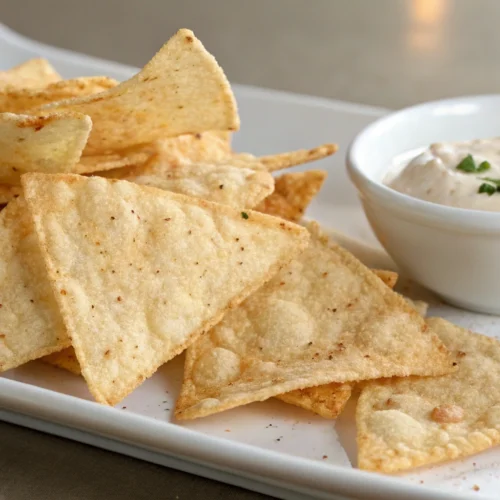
(452, 251)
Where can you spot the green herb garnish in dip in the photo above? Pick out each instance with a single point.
(489, 189)
(469, 165)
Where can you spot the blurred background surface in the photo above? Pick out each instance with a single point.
(388, 53)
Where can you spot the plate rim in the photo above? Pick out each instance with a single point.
(215, 452)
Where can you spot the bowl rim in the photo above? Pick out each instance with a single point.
(415, 208)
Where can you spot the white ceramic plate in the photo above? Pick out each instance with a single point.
(269, 447)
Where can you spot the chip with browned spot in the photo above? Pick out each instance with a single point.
(52, 143)
(411, 422)
(292, 194)
(20, 100)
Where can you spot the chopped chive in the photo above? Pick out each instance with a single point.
(467, 164)
(489, 189)
(483, 166)
(244, 215)
(493, 181)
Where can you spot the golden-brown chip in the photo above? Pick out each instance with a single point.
(410, 422)
(140, 273)
(324, 318)
(30, 323)
(20, 100)
(181, 90)
(207, 147)
(293, 158)
(32, 74)
(292, 194)
(8, 193)
(327, 400)
(116, 165)
(237, 187)
(283, 160)
(419, 305)
(65, 359)
(53, 143)
(390, 278)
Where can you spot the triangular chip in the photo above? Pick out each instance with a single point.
(32, 74)
(116, 165)
(53, 143)
(30, 323)
(140, 273)
(419, 305)
(405, 423)
(207, 147)
(20, 100)
(292, 194)
(293, 158)
(237, 187)
(181, 90)
(390, 278)
(65, 359)
(324, 318)
(328, 400)
(283, 160)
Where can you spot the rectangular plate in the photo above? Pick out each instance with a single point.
(270, 447)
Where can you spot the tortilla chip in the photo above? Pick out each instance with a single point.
(19, 100)
(8, 193)
(419, 305)
(208, 147)
(390, 278)
(293, 158)
(205, 147)
(292, 194)
(118, 163)
(181, 90)
(140, 273)
(328, 400)
(30, 323)
(283, 160)
(53, 143)
(237, 187)
(325, 318)
(405, 423)
(65, 359)
(32, 74)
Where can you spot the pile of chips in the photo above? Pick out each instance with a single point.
(133, 232)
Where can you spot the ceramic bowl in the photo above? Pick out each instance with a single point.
(452, 251)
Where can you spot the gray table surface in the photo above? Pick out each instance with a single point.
(388, 53)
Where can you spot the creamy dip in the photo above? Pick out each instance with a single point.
(461, 174)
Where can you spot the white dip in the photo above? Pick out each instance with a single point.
(433, 174)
